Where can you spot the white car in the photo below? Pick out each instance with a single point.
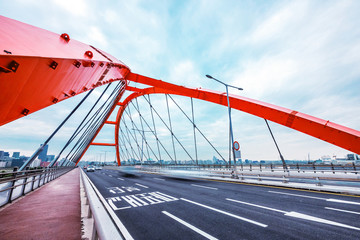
(90, 169)
(98, 168)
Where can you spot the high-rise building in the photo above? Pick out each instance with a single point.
(16, 154)
(43, 154)
(50, 158)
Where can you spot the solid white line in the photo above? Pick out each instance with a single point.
(159, 179)
(259, 206)
(120, 179)
(298, 195)
(141, 185)
(341, 210)
(226, 213)
(342, 201)
(208, 236)
(320, 220)
(203, 186)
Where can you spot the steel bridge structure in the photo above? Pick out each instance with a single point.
(39, 68)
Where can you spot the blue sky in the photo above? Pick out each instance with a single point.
(302, 55)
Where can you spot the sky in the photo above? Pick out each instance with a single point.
(302, 55)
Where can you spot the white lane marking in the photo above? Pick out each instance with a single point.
(273, 209)
(226, 213)
(298, 195)
(320, 220)
(159, 179)
(141, 185)
(120, 179)
(300, 215)
(110, 175)
(342, 201)
(204, 234)
(326, 199)
(342, 210)
(203, 186)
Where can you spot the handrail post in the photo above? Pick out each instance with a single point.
(24, 184)
(13, 184)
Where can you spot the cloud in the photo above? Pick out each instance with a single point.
(302, 55)
(78, 8)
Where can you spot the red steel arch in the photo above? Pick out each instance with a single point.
(39, 68)
(327, 131)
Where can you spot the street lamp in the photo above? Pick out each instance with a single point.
(231, 137)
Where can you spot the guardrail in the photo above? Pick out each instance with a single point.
(311, 174)
(107, 226)
(18, 183)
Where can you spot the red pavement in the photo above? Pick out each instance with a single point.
(52, 212)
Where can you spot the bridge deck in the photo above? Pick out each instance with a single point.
(52, 212)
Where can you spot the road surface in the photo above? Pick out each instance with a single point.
(157, 207)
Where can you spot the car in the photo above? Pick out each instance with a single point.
(90, 169)
(98, 168)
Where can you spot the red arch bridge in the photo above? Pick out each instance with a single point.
(39, 68)
(43, 68)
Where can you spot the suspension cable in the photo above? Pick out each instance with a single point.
(94, 124)
(77, 131)
(37, 152)
(157, 140)
(142, 128)
(145, 140)
(281, 156)
(171, 132)
(194, 127)
(197, 128)
(156, 136)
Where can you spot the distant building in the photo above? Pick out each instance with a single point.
(35, 163)
(16, 155)
(18, 162)
(49, 158)
(43, 154)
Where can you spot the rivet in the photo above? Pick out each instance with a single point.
(25, 112)
(65, 36)
(89, 54)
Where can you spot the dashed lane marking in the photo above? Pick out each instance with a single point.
(300, 215)
(342, 210)
(159, 179)
(204, 234)
(204, 187)
(226, 213)
(141, 185)
(319, 198)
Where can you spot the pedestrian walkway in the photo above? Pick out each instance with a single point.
(52, 212)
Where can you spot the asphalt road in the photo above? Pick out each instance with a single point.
(157, 207)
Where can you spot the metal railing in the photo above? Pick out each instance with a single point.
(307, 173)
(18, 183)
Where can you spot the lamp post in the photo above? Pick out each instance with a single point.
(231, 137)
(105, 157)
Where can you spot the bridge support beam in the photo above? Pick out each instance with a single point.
(327, 131)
